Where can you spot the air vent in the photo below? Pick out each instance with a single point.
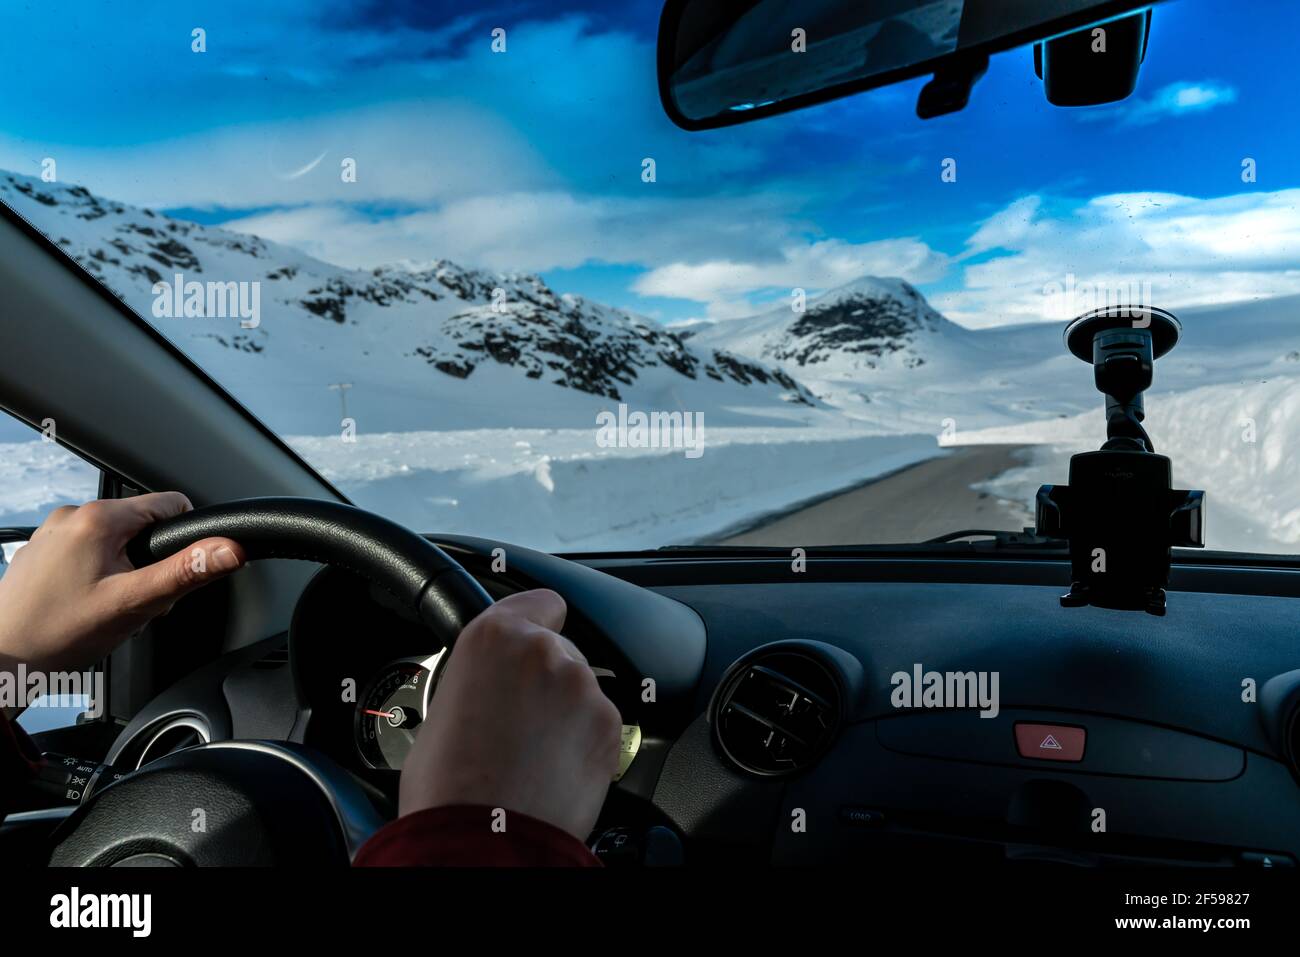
(1291, 749)
(776, 712)
(1279, 709)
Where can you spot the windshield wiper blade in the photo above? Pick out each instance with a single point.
(1002, 538)
(987, 540)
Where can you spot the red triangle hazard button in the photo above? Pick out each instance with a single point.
(1050, 742)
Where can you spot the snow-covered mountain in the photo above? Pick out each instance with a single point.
(867, 326)
(406, 337)
(437, 346)
(877, 351)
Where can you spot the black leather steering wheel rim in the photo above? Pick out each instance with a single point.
(315, 812)
(417, 572)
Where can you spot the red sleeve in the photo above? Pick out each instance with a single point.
(19, 760)
(462, 836)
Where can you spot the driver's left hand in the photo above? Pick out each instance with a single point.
(71, 595)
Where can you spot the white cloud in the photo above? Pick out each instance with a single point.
(808, 265)
(728, 253)
(533, 231)
(721, 252)
(1176, 99)
(1180, 250)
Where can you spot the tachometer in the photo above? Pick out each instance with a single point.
(390, 711)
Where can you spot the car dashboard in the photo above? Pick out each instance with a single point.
(1115, 737)
(864, 708)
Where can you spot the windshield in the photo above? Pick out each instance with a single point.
(463, 263)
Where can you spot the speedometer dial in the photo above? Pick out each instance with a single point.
(390, 711)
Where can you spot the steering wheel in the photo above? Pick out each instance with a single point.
(265, 802)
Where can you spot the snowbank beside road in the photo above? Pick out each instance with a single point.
(556, 490)
(553, 489)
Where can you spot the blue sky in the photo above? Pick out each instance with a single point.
(531, 160)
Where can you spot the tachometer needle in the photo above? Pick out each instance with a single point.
(378, 714)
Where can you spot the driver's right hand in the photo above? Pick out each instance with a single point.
(518, 723)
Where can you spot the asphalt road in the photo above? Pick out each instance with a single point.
(910, 505)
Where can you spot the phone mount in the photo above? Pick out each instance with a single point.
(1119, 513)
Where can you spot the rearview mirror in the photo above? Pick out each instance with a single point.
(731, 61)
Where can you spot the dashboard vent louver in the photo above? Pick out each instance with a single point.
(776, 712)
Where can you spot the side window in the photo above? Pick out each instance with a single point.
(37, 475)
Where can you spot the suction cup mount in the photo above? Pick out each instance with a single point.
(1120, 513)
(1122, 343)
(1164, 328)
